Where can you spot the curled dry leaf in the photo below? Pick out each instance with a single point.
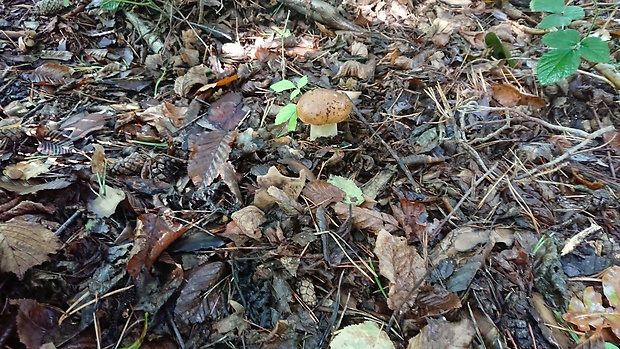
(249, 219)
(154, 234)
(195, 78)
(24, 245)
(52, 74)
(291, 186)
(358, 70)
(367, 219)
(402, 266)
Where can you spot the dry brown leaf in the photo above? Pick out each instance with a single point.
(441, 334)
(322, 193)
(195, 78)
(208, 151)
(509, 96)
(291, 186)
(24, 245)
(154, 233)
(34, 321)
(402, 266)
(52, 74)
(249, 219)
(25, 170)
(367, 219)
(289, 205)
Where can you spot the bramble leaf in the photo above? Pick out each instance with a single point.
(553, 6)
(556, 65)
(553, 21)
(282, 85)
(595, 50)
(292, 123)
(574, 12)
(295, 93)
(286, 113)
(562, 38)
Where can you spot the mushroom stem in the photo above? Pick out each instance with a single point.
(327, 130)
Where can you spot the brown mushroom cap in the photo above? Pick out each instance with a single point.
(322, 106)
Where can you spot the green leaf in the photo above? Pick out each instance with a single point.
(562, 38)
(286, 113)
(574, 12)
(292, 123)
(354, 195)
(554, 21)
(282, 85)
(595, 50)
(611, 286)
(110, 5)
(303, 81)
(295, 93)
(499, 50)
(610, 346)
(553, 6)
(556, 65)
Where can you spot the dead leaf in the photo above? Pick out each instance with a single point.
(289, 205)
(402, 266)
(52, 74)
(83, 124)
(322, 193)
(34, 321)
(228, 111)
(195, 78)
(25, 170)
(358, 70)
(367, 219)
(509, 96)
(441, 334)
(104, 205)
(249, 219)
(165, 117)
(291, 186)
(193, 305)
(365, 335)
(24, 245)
(208, 151)
(154, 233)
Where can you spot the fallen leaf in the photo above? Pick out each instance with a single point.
(366, 335)
(104, 205)
(291, 186)
(193, 305)
(366, 219)
(322, 193)
(249, 219)
(508, 96)
(227, 112)
(34, 321)
(24, 245)
(208, 151)
(25, 170)
(52, 74)
(154, 233)
(441, 334)
(402, 266)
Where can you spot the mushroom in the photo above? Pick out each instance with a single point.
(323, 109)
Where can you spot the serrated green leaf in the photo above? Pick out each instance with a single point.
(292, 123)
(354, 195)
(554, 21)
(574, 12)
(566, 38)
(303, 81)
(595, 50)
(553, 6)
(556, 65)
(286, 113)
(282, 85)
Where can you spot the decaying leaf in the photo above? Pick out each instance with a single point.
(234, 321)
(441, 334)
(165, 117)
(291, 186)
(590, 313)
(366, 335)
(52, 74)
(249, 219)
(25, 170)
(227, 112)
(208, 151)
(367, 219)
(509, 96)
(24, 245)
(195, 303)
(34, 321)
(402, 266)
(195, 78)
(29, 187)
(353, 194)
(322, 193)
(154, 233)
(357, 70)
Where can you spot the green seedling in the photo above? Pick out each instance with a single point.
(282, 33)
(288, 113)
(569, 48)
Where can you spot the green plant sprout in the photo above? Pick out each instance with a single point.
(288, 113)
(568, 45)
(282, 33)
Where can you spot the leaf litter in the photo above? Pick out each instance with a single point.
(149, 195)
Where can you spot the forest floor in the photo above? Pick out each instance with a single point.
(158, 192)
